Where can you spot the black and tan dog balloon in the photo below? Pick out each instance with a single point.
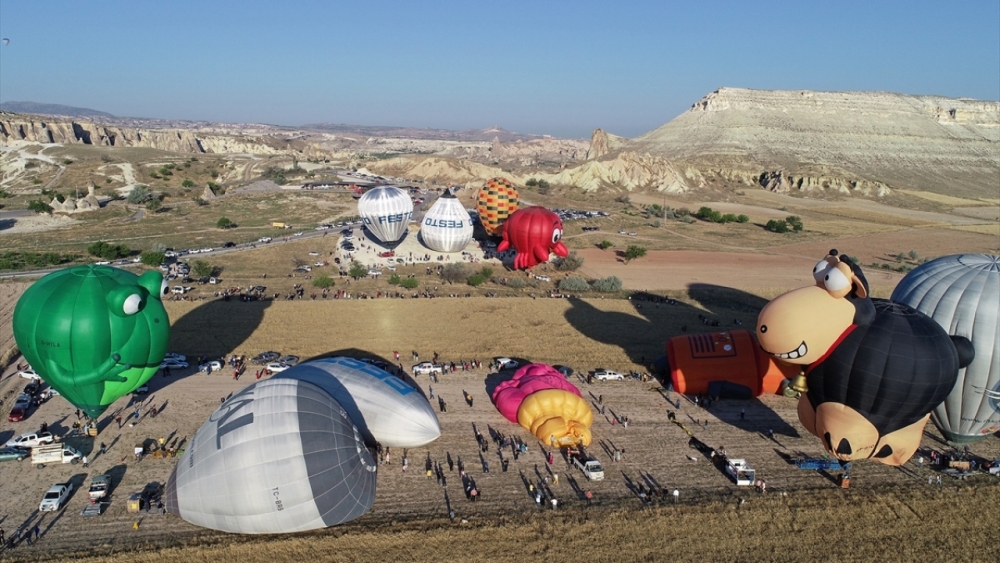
(874, 369)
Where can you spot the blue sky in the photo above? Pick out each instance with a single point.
(559, 68)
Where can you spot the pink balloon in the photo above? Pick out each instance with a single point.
(528, 379)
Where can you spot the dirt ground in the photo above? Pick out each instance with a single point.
(584, 334)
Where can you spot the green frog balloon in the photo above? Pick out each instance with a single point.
(94, 333)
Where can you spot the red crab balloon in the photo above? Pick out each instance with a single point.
(534, 232)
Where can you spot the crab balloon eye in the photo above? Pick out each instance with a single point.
(556, 235)
(164, 288)
(819, 272)
(132, 304)
(835, 280)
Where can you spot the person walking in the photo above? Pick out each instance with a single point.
(743, 414)
(38, 532)
(104, 448)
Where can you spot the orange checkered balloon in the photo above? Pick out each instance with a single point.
(497, 200)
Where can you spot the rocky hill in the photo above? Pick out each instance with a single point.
(51, 109)
(788, 140)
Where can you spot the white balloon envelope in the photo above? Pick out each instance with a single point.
(386, 212)
(962, 293)
(446, 226)
(385, 408)
(279, 456)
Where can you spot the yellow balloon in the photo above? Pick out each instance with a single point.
(554, 415)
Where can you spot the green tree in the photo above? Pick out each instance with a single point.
(729, 218)
(409, 283)
(454, 273)
(634, 251)
(152, 258)
(605, 244)
(199, 202)
(777, 226)
(794, 222)
(476, 280)
(224, 223)
(202, 269)
(323, 281)
(486, 272)
(187, 183)
(531, 182)
(139, 194)
(394, 279)
(742, 218)
(570, 263)
(574, 283)
(39, 206)
(154, 205)
(357, 270)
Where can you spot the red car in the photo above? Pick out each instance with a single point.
(387, 254)
(17, 414)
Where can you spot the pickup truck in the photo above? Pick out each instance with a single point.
(591, 468)
(55, 497)
(99, 487)
(55, 453)
(31, 440)
(426, 368)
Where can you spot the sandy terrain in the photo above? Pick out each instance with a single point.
(584, 334)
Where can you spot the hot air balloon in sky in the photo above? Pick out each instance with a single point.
(534, 232)
(282, 455)
(94, 333)
(497, 199)
(446, 226)
(962, 293)
(385, 408)
(875, 369)
(386, 212)
(540, 399)
(6, 41)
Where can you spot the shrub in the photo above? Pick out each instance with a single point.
(605, 244)
(655, 224)
(794, 222)
(201, 268)
(476, 280)
(574, 283)
(152, 258)
(570, 263)
(187, 183)
(486, 272)
(742, 218)
(139, 194)
(199, 202)
(913, 254)
(67, 161)
(531, 182)
(394, 279)
(322, 281)
(154, 205)
(777, 226)
(608, 284)
(108, 251)
(39, 206)
(729, 218)
(409, 283)
(454, 273)
(633, 252)
(517, 283)
(225, 223)
(357, 270)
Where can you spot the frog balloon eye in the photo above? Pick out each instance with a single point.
(820, 271)
(132, 304)
(164, 288)
(556, 235)
(835, 280)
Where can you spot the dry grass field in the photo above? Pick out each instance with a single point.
(889, 514)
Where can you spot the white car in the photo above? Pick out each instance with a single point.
(608, 375)
(543, 278)
(174, 356)
(216, 365)
(424, 368)
(207, 250)
(30, 440)
(28, 373)
(173, 364)
(55, 497)
(506, 363)
(313, 253)
(264, 239)
(298, 234)
(103, 263)
(276, 367)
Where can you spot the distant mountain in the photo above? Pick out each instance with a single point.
(487, 135)
(51, 109)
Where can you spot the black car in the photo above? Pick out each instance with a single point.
(265, 357)
(229, 244)
(31, 389)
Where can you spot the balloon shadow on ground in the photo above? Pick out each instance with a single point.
(214, 329)
(643, 338)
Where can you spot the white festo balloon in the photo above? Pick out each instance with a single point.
(279, 456)
(385, 409)
(446, 226)
(962, 293)
(386, 212)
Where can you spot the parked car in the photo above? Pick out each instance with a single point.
(17, 414)
(276, 367)
(32, 389)
(216, 365)
(506, 363)
(265, 357)
(55, 497)
(424, 368)
(386, 254)
(13, 454)
(23, 401)
(174, 356)
(28, 373)
(229, 244)
(173, 364)
(141, 390)
(608, 375)
(30, 440)
(289, 360)
(214, 280)
(264, 239)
